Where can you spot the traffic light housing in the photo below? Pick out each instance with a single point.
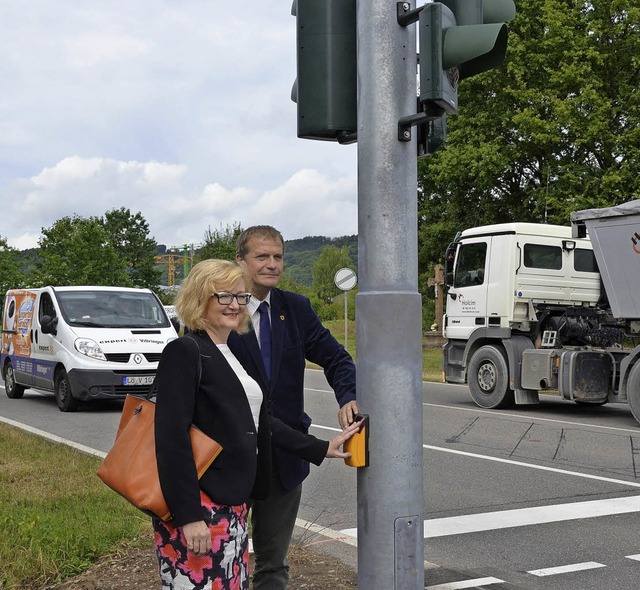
(459, 39)
(431, 136)
(325, 89)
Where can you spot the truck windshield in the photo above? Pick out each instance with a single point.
(112, 309)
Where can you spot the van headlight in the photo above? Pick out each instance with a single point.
(89, 348)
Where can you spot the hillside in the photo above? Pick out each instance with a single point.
(299, 257)
(301, 254)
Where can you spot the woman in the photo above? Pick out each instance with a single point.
(200, 382)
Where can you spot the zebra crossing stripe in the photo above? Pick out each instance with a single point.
(465, 584)
(565, 569)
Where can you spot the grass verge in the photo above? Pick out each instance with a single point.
(57, 516)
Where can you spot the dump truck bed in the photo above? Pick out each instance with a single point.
(615, 235)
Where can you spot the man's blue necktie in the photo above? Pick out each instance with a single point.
(265, 337)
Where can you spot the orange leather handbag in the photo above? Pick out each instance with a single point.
(130, 467)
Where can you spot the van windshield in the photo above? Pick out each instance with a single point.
(112, 309)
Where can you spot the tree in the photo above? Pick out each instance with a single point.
(129, 235)
(78, 251)
(556, 129)
(11, 277)
(219, 243)
(331, 260)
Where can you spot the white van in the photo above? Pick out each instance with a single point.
(82, 343)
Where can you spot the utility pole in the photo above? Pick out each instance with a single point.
(388, 307)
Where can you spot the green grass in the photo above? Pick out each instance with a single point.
(57, 517)
(431, 357)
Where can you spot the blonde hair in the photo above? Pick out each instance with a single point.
(208, 277)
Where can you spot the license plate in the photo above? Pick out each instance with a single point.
(138, 380)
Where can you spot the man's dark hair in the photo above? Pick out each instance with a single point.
(256, 231)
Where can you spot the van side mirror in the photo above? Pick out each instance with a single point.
(48, 325)
(449, 259)
(175, 323)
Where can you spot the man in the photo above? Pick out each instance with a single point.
(286, 332)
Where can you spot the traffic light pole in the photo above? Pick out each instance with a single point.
(389, 312)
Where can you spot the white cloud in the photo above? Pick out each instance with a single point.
(307, 203)
(179, 111)
(322, 206)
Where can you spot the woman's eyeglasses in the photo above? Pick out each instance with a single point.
(227, 298)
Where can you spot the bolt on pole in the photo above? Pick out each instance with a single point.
(389, 307)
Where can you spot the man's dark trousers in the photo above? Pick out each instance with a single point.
(272, 523)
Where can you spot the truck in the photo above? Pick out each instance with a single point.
(82, 342)
(534, 308)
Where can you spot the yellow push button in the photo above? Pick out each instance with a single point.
(358, 444)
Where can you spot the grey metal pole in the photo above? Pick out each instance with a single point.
(389, 314)
(346, 317)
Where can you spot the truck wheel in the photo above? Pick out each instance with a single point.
(488, 376)
(633, 391)
(66, 402)
(14, 391)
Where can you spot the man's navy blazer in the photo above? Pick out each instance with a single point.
(296, 334)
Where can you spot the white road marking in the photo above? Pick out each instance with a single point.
(505, 519)
(339, 536)
(635, 557)
(489, 521)
(54, 438)
(465, 584)
(565, 569)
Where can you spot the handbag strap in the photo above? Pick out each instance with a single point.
(199, 358)
(152, 390)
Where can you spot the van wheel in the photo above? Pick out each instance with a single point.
(488, 376)
(66, 402)
(633, 391)
(14, 391)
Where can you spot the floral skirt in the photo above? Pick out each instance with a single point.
(225, 567)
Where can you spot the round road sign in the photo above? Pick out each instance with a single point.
(345, 279)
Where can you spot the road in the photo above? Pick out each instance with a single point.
(540, 497)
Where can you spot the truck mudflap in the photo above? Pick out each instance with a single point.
(586, 376)
(514, 348)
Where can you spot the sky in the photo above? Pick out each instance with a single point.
(180, 110)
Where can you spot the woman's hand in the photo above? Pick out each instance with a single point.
(197, 537)
(337, 441)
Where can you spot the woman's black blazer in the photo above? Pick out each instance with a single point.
(219, 407)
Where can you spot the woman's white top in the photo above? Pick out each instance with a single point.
(251, 387)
